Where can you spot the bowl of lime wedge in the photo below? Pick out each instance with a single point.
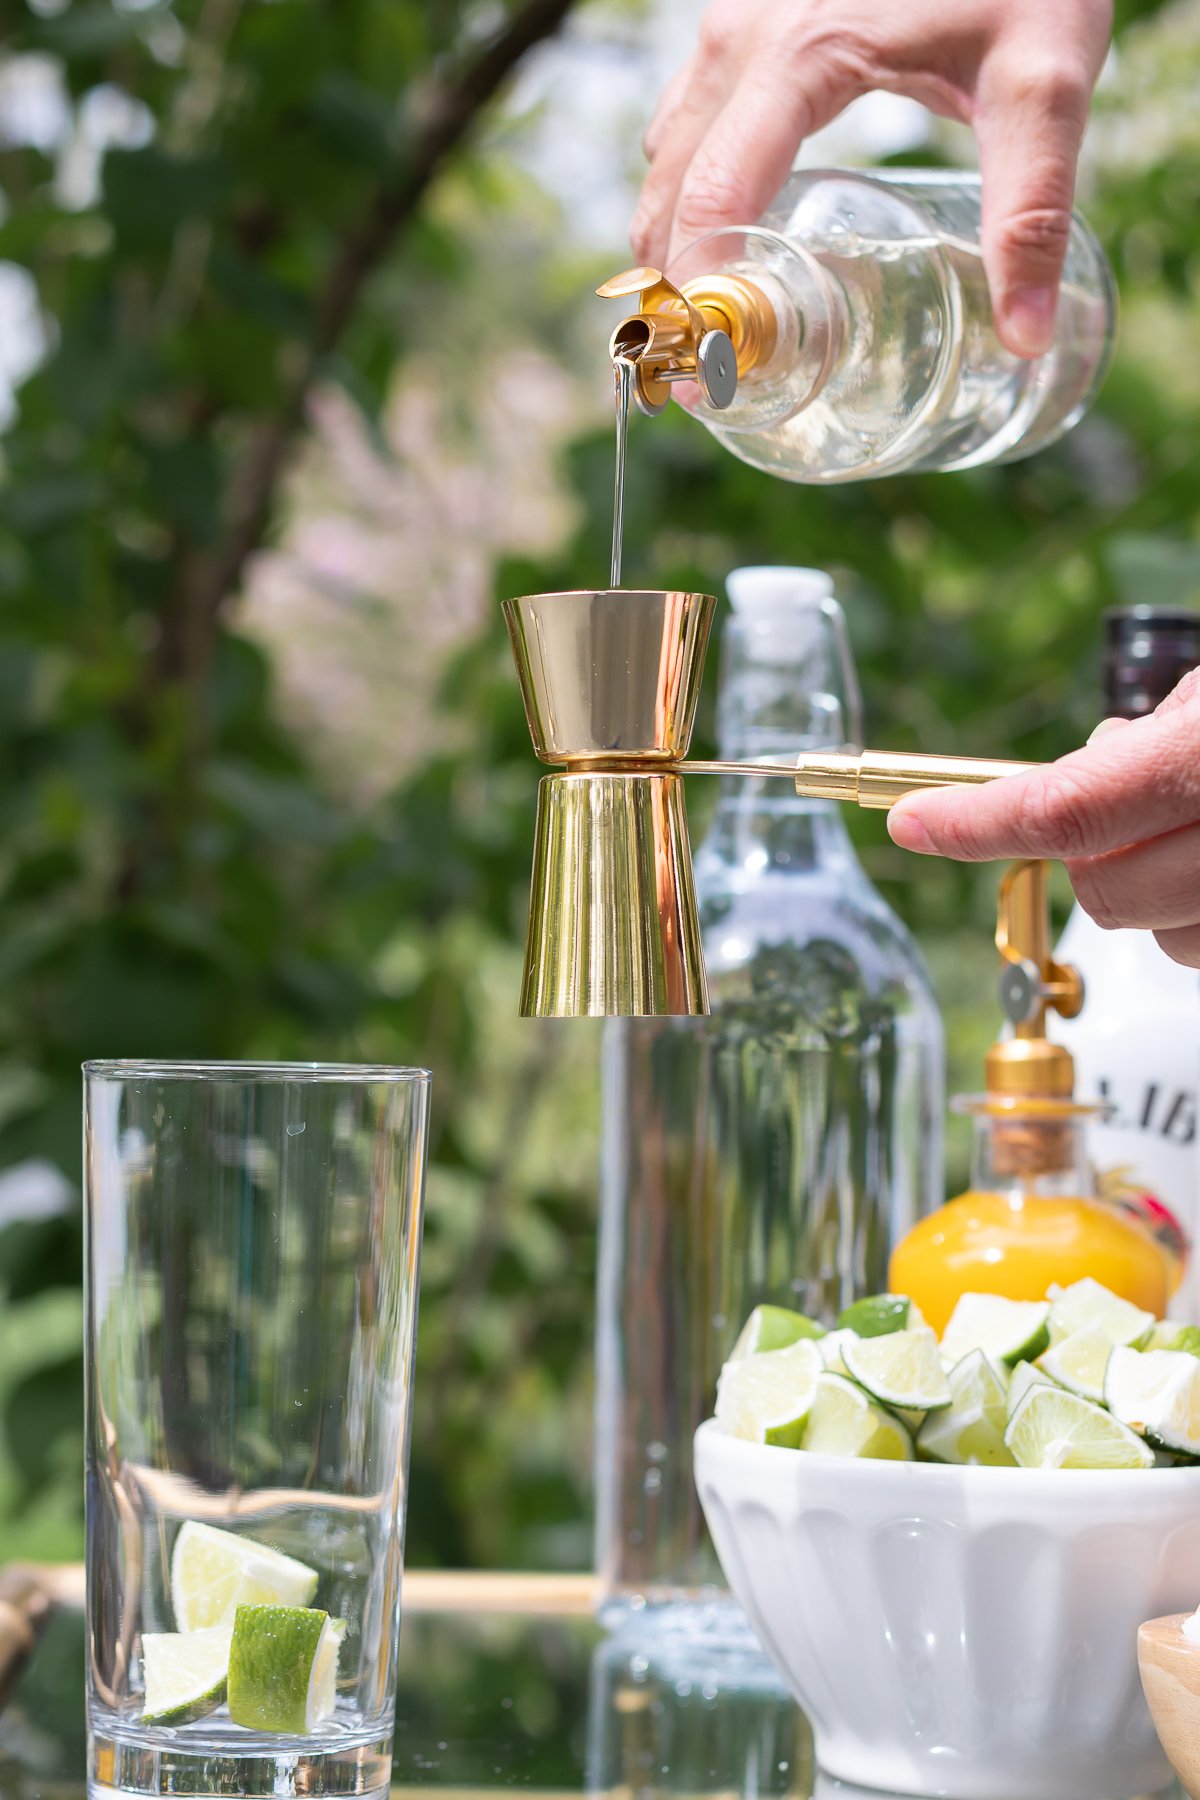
(947, 1546)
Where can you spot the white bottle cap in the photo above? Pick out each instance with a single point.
(788, 627)
(765, 587)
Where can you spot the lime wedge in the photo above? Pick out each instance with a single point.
(184, 1673)
(1157, 1392)
(283, 1668)
(1188, 1340)
(773, 1328)
(877, 1315)
(1009, 1331)
(901, 1369)
(1088, 1303)
(1163, 1334)
(971, 1428)
(1078, 1362)
(767, 1398)
(1055, 1429)
(844, 1422)
(1026, 1375)
(832, 1346)
(214, 1572)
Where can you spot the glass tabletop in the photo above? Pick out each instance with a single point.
(489, 1703)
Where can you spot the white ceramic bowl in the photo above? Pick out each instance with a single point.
(958, 1631)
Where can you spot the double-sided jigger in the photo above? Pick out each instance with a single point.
(610, 680)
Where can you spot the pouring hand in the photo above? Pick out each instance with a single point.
(768, 73)
(1123, 814)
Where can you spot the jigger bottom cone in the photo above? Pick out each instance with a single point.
(613, 927)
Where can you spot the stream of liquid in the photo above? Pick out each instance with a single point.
(622, 379)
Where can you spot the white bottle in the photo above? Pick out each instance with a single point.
(1136, 1043)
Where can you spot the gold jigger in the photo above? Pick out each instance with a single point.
(613, 923)
(610, 681)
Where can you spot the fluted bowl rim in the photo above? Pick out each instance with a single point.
(863, 1472)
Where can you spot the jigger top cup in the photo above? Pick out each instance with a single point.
(610, 677)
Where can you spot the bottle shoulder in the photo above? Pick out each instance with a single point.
(824, 917)
(1126, 976)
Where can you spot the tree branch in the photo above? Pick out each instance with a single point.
(450, 109)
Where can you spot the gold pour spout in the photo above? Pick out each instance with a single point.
(712, 331)
(1031, 985)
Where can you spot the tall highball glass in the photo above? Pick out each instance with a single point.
(253, 1237)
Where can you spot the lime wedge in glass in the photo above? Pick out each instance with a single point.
(877, 1315)
(1078, 1362)
(773, 1328)
(1088, 1303)
(283, 1668)
(1055, 1429)
(971, 1429)
(184, 1673)
(767, 1398)
(214, 1572)
(1009, 1331)
(902, 1369)
(1023, 1377)
(844, 1422)
(1157, 1392)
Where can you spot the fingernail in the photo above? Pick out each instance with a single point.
(1029, 320)
(1106, 725)
(907, 830)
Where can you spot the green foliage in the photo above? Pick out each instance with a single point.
(177, 878)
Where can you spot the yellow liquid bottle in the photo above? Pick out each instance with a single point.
(1029, 1218)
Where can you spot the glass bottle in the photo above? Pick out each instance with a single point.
(1029, 1218)
(860, 316)
(775, 1150)
(1137, 1043)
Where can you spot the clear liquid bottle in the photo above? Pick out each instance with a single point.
(776, 1150)
(858, 312)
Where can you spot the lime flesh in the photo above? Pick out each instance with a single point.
(971, 1429)
(214, 1572)
(901, 1369)
(184, 1673)
(844, 1422)
(1157, 1392)
(1089, 1304)
(1009, 1331)
(767, 1398)
(1055, 1429)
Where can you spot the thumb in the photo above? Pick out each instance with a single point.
(1028, 123)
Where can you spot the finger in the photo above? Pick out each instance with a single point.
(1128, 786)
(745, 156)
(708, 87)
(1154, 886)
(1029, 121)
(668, 106)
(1181, 946)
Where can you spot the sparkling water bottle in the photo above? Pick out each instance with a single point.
(776, 1150)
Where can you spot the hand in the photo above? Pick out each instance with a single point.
(1123, 814)
(768, 73)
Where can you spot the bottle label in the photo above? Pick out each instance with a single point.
(1164, 1110)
